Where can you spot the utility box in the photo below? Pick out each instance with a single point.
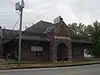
(17, 6)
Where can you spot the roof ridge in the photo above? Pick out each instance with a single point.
(45, 21)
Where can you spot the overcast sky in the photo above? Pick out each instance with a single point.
(85, 11)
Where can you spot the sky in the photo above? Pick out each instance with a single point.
(84, 11)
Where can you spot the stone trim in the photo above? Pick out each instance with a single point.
(54, 44)
(63, 38)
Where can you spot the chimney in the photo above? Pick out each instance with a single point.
(58, 19)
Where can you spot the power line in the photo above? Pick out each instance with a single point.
(15, 23)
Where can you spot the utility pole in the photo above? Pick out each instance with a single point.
(19, 7)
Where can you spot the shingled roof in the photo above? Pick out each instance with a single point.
(41, 27)
(8, 35)
(37, 32)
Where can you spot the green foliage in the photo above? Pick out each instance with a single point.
(77, 28)
(89, 29)
(74, 27)
(93, 31)
(95, 38)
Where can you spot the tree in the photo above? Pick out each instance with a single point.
(81, 29)
(94, 32)
(73, 27)
(77, 29)
(89, 30)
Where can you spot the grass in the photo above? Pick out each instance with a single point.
(88, 61)
(50, 65)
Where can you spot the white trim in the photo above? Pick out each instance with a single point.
(60, 37)
(36, 48)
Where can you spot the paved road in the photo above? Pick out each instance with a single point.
(80, 70)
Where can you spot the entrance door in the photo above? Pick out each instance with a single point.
(62, 52)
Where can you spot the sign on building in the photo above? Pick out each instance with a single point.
(36, 48)
(57, 19)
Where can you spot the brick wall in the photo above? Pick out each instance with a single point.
(77, 52)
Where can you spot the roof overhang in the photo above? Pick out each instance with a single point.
(34, 38)
(81, 41)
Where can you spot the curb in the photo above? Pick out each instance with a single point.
(54, 66)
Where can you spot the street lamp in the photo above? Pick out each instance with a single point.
(19, 7)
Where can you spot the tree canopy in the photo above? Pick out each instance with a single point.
(93, 32)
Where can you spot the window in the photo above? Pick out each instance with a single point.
(37, 50)
(39, 53)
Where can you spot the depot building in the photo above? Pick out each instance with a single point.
(44, 41)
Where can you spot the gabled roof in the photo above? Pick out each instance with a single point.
(43, 27)
(40, 27)
(37, 32)
(49, 29)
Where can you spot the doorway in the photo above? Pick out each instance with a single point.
(62, 52)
